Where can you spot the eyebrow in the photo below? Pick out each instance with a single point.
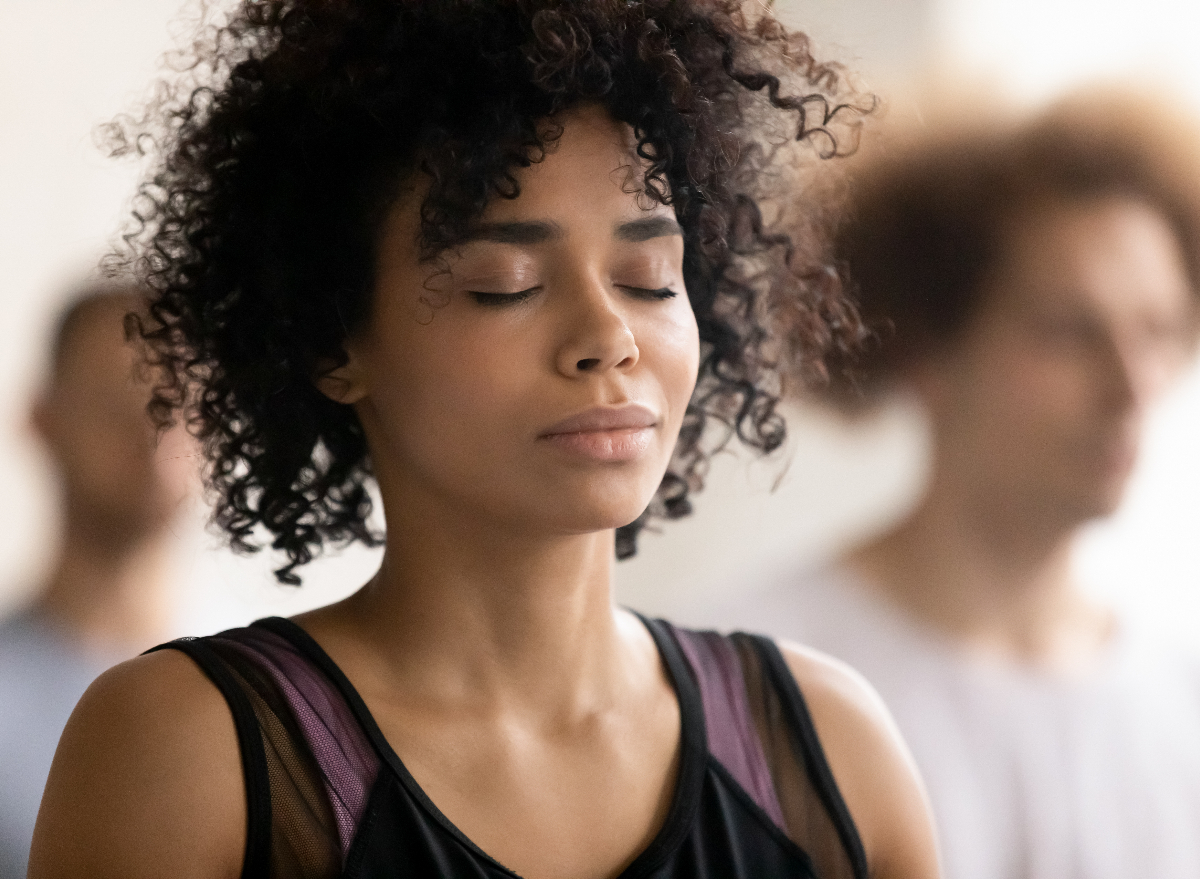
(526, 232)
(645, 229)
(539, 231)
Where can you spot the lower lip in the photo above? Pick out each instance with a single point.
(604, 445)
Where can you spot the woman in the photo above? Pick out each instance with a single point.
(495, 257)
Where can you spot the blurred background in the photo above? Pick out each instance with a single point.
(67, 66)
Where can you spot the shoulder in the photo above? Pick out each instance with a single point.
(147, 774)
(870, 762)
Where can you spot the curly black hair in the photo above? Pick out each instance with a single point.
(282, 146)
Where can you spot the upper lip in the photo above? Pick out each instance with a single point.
(629, 417)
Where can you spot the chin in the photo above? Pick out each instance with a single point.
(608, 520)
(586, 518)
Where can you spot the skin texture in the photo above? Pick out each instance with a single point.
(535, 714)
(1037, 412)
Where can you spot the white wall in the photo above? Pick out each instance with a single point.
(1035, 48)
(879, 40)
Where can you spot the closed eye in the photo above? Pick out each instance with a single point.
(646, 293)
(501, 299)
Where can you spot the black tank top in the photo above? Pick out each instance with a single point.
(328, 797)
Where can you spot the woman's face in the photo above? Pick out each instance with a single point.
(538, 376)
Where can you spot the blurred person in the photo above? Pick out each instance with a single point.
(105, 598)
(1035, 287)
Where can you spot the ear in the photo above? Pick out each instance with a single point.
(343, 384)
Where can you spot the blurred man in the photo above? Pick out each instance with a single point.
(104, 600)
(1037, 290)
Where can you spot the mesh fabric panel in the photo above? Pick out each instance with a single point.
(807, 817)
(304, 841)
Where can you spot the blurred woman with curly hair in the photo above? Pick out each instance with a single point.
(506, 262)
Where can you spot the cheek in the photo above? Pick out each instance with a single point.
(1057, 386)
(436, 388)
(673, 345)
(1028, 392)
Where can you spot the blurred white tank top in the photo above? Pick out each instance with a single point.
(1031, 775)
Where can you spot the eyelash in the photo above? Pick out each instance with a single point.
(662, 293)
(495, 299)
(502, 299)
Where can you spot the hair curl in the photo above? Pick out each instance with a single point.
(281, 148)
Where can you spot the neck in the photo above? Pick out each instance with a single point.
(990, 576)
(107, 591)
(469, 613)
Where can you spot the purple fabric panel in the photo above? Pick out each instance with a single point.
(343, 752)
(732, 737)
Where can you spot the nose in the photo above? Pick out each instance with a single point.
(1121, 377)
(597, 336)
(1139, 370)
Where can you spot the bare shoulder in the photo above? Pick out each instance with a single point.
(871, 764)
(146, 781)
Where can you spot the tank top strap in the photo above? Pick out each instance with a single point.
(729, 725)
(300, 742)
(760, 730)
(256, 860)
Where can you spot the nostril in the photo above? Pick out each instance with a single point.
(589, 363)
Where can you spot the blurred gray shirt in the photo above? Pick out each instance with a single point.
(42, 676)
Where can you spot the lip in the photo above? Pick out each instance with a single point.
(605, 433)
(605, 418)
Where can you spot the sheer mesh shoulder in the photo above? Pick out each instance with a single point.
(814, 812)
(309, 767)
(760, 730)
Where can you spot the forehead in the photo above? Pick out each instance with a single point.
(1116, 255)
